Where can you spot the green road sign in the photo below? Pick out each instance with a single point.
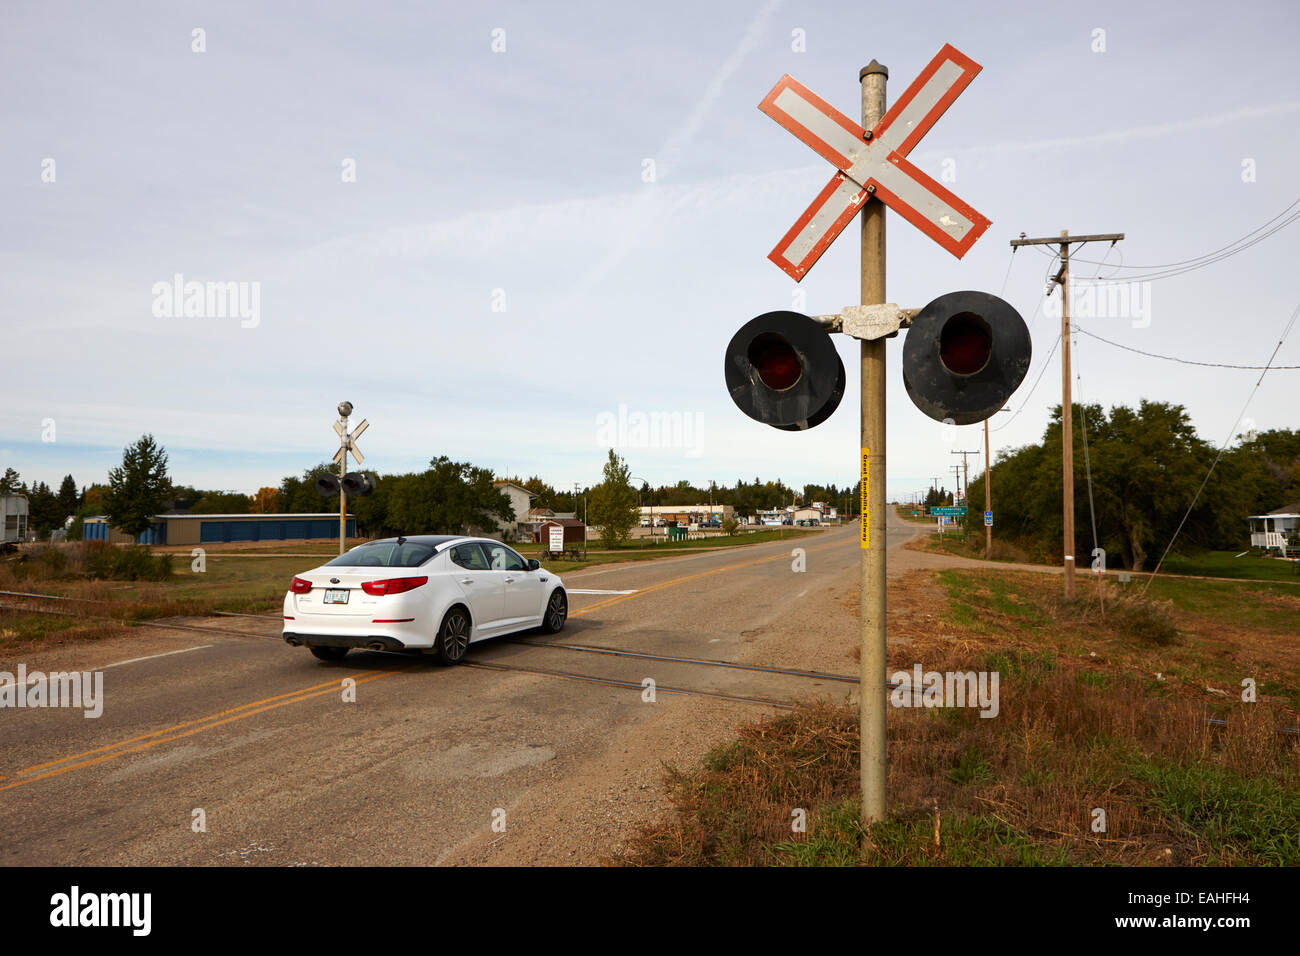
(947, 511)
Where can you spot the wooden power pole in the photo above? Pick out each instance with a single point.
(965, 476)
(1062, 278)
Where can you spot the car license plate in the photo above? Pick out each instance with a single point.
(336, 596)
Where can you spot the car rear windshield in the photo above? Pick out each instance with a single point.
(385, 554)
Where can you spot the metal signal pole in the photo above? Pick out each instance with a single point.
(1062, 278)
(343, 498)
(871, 601)
(988, 494)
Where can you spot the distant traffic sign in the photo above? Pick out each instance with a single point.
(988, 519)
(872, 163)
(948, 511)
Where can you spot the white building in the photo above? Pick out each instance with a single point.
(685, 514)
(1278, 530)
(521, 499)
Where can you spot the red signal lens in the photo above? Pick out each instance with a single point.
(775, 361)
(965, 344)
(393, 585)
(300, 586)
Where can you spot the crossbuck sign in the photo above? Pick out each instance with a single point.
(873, 163)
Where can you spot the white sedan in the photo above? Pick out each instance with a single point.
(432, 593)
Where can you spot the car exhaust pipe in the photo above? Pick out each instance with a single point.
(377, 646)
(293, 642)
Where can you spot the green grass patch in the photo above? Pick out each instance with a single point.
(1226, 564)
(1232, 814)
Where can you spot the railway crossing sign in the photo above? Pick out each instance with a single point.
(873, 163)
(347, 442)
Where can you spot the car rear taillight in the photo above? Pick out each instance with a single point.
(300, 586)
(393, 585)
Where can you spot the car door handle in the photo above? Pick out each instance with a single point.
(510, 580)
(466, 580)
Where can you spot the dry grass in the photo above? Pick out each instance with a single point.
(1084, 724)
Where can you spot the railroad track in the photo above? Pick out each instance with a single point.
(518, 668)
(171, 624)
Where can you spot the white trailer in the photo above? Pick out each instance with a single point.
(13, 520)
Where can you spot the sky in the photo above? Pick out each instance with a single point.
(501, 229)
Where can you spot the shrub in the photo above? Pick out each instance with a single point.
(1144, 621)
(133, 563)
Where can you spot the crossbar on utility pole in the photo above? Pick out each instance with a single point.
(1065, 240)
(871, 600)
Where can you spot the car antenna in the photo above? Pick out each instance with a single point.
(401, 540)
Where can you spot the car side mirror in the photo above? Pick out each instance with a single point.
(533, 564)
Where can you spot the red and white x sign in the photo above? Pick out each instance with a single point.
(876, 164)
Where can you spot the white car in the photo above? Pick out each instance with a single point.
(432, 593)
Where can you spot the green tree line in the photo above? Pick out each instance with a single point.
(1146, 465)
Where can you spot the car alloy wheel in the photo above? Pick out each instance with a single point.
(557, 609)
(453, 638)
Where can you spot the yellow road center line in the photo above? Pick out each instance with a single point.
(207, 723)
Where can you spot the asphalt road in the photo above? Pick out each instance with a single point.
(258, 736)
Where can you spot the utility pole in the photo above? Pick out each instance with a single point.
(966, 467)
(956, 477)
(871, 690)
(1062, 278)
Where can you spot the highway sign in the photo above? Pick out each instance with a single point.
(948, 511)
(873, 163)
(988, 519)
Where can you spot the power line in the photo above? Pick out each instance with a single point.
(1087, 464)
(1224, 447)
(1174, 358)
(1183, 262)
(1168, 274)
(1046, 363)
(1172, 269)
(1010, 263)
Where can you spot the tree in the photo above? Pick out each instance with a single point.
(298, 495)
(9, 484)
(544, 492)
(68, 496)
(43, 509)
(613, 502)
(139, 488)
(1147, 466)
(450, 498)
(221, 503)
(264, 502)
